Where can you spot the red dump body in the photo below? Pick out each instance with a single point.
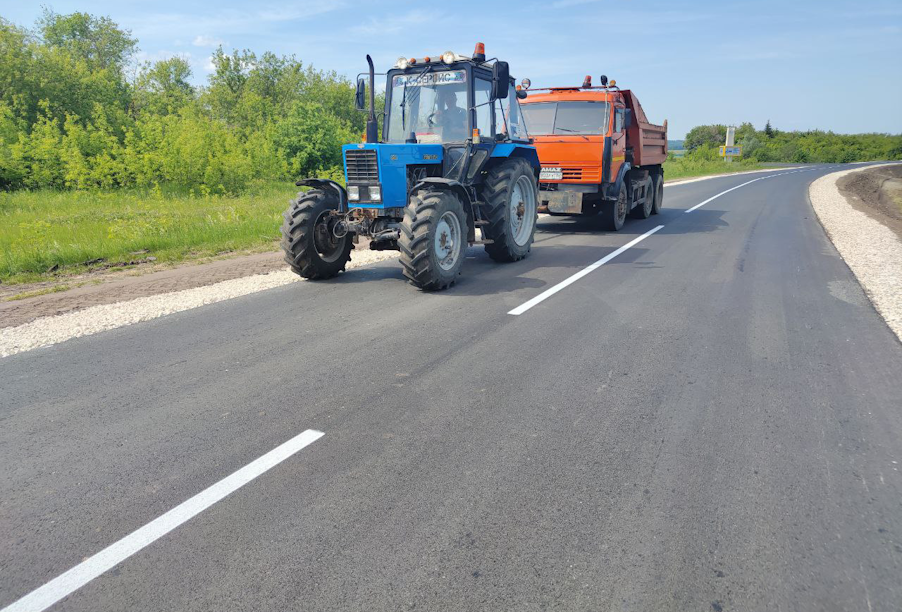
(649, 141)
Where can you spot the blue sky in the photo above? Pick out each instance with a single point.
(802, 64)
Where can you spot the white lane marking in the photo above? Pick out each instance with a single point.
(569, 281)
(563, 284)
(86, 571)
(714, 197)
(760, 178)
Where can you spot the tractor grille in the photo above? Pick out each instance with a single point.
(362, 166)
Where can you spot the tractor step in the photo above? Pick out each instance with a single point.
(486, 241)
(480, 222)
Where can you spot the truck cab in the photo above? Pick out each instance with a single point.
(595, 145)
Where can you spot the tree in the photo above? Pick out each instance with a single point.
(705, 135)
(163, 88)
(768, 130)
(96, 40)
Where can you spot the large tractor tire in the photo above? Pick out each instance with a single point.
(511, 201)
(614, 213)
(659, 194)
(433, 239)
(311, 248)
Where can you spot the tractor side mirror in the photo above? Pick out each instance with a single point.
(501, 80)
(360, 96)
(627, 118)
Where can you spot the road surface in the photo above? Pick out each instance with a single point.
(711, 420)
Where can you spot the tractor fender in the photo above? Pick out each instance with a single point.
(437, 182)
(327, 184)
(613, 188)
(510, 149)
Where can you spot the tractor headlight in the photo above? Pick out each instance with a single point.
(353, 193)
(402, 63)
(448, 57)
(376, 193)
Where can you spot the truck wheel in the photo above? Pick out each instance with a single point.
(311, 248)
(659, 194)
(644, 211)
(615, 212)
(433, 239)
(511, 196)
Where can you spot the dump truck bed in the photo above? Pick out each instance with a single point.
(649, 141)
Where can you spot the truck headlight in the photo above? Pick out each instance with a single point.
(376, 193)
(448, 57)
(353, 193)
(402, 63)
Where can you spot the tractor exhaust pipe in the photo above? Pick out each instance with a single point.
(372, 127)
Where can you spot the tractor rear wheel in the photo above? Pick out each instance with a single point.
(433, 239)
(511, 201)
(311, 248)
(615, 212)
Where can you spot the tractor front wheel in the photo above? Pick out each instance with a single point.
(512, 209)
(311, 247)
(433, 239)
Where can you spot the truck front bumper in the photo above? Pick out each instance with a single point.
(563, 199)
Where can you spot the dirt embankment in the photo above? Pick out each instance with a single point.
(877, 192)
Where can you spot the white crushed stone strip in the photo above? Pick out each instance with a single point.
(59, 328)
(871, 250)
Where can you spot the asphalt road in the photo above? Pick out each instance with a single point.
(712, 420)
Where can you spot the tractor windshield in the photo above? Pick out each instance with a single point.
(429, 107)
(544, 118)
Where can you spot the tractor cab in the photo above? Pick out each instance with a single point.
(454, 157)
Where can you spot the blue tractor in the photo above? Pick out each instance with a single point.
(454, 157)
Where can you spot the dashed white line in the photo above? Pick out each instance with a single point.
(86, 571)
(588, 269)
(563, 284)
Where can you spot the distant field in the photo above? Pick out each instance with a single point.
(50, 233)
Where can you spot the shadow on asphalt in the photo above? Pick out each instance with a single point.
(483, 276)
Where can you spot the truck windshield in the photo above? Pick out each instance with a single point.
(544, 118)
(428, 107)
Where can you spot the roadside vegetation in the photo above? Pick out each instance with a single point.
(107, 162)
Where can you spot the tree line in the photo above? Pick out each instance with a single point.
(77, 113)
(814, 146)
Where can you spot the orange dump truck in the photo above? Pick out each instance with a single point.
(599, 154)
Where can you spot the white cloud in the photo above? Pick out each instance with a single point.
(206, 41)
(396, 24)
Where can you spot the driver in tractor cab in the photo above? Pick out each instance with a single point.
(449, 116)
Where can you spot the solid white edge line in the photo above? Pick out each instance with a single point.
(563, 284)
(111, 556)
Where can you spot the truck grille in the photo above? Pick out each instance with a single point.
(582, 174)
(362, 166)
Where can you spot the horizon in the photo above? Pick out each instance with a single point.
(682, 50)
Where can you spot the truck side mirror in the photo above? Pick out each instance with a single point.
(627, 118)
(501, 80)
(360, 96)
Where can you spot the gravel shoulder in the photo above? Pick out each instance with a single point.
(855, 213)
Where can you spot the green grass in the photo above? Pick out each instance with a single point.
(684, 167)
(52, 233)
